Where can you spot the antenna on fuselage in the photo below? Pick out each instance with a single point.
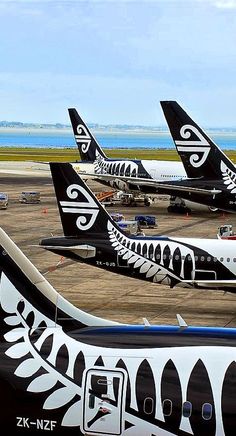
(181, 321)
(146, 322)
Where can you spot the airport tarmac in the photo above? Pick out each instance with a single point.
(102, 293)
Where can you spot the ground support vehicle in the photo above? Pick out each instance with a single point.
(3, 200)
(146, 220)
(177, 205)
(226, 232)
(30, 197)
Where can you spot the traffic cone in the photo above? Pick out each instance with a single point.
(60, 261)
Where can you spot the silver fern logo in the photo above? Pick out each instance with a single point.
(199, 148)
(41, 371)
(58, 375)
(83, 138)
(229, 177)
(161, 261)
(121, 168)
(64, 377)
(87, 210)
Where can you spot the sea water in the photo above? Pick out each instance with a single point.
(65, 139)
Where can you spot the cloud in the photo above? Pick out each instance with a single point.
(225, 4)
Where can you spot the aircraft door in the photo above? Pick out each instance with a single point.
(202, 274)
(103, 402)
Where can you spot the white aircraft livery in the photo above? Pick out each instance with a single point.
(119, 173)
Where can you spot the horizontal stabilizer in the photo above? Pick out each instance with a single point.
(85, 251)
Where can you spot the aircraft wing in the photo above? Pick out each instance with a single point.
(158, 184)
(174, 187)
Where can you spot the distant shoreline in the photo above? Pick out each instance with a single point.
(67, 131)
(71, 148)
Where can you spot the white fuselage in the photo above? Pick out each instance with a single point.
(157, 170)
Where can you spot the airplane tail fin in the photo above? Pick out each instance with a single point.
(201, 157)
(28, 300)
(89, 148)
(80, 211)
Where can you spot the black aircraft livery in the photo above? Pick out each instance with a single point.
(208, 169)
(91, 236)
(119, 173)
(66, 372)
(211, 175)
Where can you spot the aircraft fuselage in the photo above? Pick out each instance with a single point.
(135, 381)
(158, 259)
(169, 173)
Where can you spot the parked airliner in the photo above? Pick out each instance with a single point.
(66, 372)
(211, 174)
(209, 177)
(120, 173)
(92, 236)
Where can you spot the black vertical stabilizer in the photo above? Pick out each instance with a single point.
(201, 157)
(81, 213)
(89, 148)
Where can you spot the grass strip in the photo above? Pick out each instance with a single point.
(70, 155)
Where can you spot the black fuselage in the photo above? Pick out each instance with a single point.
(170, 376)
(158, 259)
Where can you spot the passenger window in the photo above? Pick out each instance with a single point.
(187, 409)
(167, 407)
(208, 258)
(196, 257)
(214, 259)
(234, 259)
(176, 257)
(202, 258)
(228, 259)
(164, 256)
(148, 405)
(222, 259)
(207, 411)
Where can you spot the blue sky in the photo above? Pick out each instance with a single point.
(115, 60)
